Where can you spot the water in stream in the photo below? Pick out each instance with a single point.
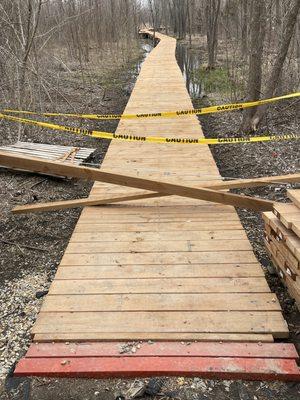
(189, 62)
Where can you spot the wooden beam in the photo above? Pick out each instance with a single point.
(216, 185)
(42, 166)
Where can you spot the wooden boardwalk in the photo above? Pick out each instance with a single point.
(163, 269)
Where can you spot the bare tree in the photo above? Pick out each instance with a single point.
(274, 76)
(257, 27)
(212, 18)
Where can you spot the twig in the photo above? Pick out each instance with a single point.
(22, 245)
(37, 183)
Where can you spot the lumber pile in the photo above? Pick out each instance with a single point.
(282, 240)
(74, 155)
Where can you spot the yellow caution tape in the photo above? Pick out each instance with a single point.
(167, 114)
(151, 139)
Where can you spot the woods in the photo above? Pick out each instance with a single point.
(261, 37)
(40, 38)
(136, 157)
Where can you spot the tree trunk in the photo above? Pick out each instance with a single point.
(257, 30)
(272, 84)
(244, 27)
(212, 19)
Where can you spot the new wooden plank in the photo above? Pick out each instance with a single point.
(162, 302)
(223, 322)
(222, 257)
(157, 227)
(156, 217)
(285, 208)
(42, 166)
(289, 219)
(126, 209)
(170, 285)
(156, 271)
(296, 228)
(157, 246)
(277, 226)
(88, 202)
(294, 196)
(212, 235)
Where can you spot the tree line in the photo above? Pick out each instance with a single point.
(255, 31)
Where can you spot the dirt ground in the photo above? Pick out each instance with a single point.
(26, 272)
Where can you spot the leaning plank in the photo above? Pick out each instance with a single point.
(240, 183)
(162, 302)
(36, 165)
(60, 205)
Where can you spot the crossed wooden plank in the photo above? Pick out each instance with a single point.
(210, 192)
(239, 183)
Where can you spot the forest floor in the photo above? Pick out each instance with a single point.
(26, 272)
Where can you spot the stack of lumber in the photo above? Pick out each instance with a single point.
(282, 240)
(75, 155)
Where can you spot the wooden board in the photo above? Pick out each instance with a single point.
(57, 168)
(294, 196)
(162, 302)
(163, 321)
(155, 271)
(250, 361)
(165, 268)
(164, 349)
(153, 336)
(58, 205)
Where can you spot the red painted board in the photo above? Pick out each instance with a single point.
(206, 367)
(165, 349)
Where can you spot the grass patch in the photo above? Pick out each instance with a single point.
(216, 80)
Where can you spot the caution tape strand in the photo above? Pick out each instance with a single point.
(151, 139)
(167, 114)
